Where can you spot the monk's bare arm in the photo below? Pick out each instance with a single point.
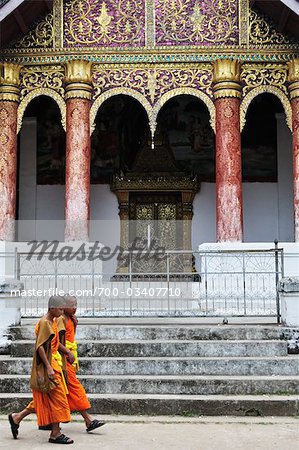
(67, 352)
(42, 354)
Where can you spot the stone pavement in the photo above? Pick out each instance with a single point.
(165, 433)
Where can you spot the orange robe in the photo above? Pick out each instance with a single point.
(52, 406)
(76, 396)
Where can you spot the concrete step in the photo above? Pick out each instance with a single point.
(282, 365)
(185, 405)
(165, 385)
(167, 348)
(114, 332)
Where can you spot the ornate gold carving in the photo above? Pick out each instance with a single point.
(150, 24)
(294, 78)
(36, 93)
(226, 78)
(197, 77)
(152, 83)
(261, 90)
(154, 183)
(253, 75)
(41, 36)
(92, 23)
(188, 21)
(78, 79)
(9, 82)
(262, 32)
(184, 91)
(58, 23)
(244, 22)
(104, 21)
(118, 91)
(42, 76)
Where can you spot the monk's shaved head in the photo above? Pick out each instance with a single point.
(69, 300)
(56, 301)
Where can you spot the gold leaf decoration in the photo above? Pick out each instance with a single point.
(41, 36)
(262, 31)
(42, 76)
(253, 75)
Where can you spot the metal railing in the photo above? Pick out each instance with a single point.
(185, 283)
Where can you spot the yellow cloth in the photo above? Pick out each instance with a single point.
(73, 346)
(58, 359)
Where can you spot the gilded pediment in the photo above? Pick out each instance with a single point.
(153, 24)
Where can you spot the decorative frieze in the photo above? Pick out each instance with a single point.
(42, 76)
(153, 83)
(253, 75)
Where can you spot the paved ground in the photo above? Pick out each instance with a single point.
(165, 433)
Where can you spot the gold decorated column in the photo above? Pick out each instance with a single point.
(9, 98)
(294, 95)
(77, 180)
(227, 94)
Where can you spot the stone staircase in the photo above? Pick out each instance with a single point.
(169, 369)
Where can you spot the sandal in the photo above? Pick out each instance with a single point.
(61, 439)
(14, 427)
(94, 424)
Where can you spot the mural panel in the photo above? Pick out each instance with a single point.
(113, 23)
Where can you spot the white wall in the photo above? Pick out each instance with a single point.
(267, 207)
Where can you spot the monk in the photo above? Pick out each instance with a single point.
(76, 396)
(47, 379)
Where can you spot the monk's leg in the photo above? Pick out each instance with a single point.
(87, 417)
(16, 418)
(57, 437)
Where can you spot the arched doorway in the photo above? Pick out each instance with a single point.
(41, 164)
(267, 172)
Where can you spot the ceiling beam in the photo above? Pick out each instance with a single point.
(20, 21)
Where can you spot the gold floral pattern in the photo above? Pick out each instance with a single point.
(262, 32)
(153, 83)
(97, 22)
(42, 76)
(253, 75)
(196, 22)
(41, 36)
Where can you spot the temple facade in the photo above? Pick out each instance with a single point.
(145, 110)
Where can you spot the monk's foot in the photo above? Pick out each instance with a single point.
(93, 425)
(13, 426)
(16, 418)
(60, 439)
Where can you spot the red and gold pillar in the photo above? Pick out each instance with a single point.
(9, 98)
(294, 95)
(227, 94)
(77, 178)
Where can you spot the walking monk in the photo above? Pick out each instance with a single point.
(76, 396)
(77, 399)
(47, 380)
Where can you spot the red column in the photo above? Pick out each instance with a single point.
(77, 200)
(228, 171)
(294, 94)
(229, 226)
(9, 97)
